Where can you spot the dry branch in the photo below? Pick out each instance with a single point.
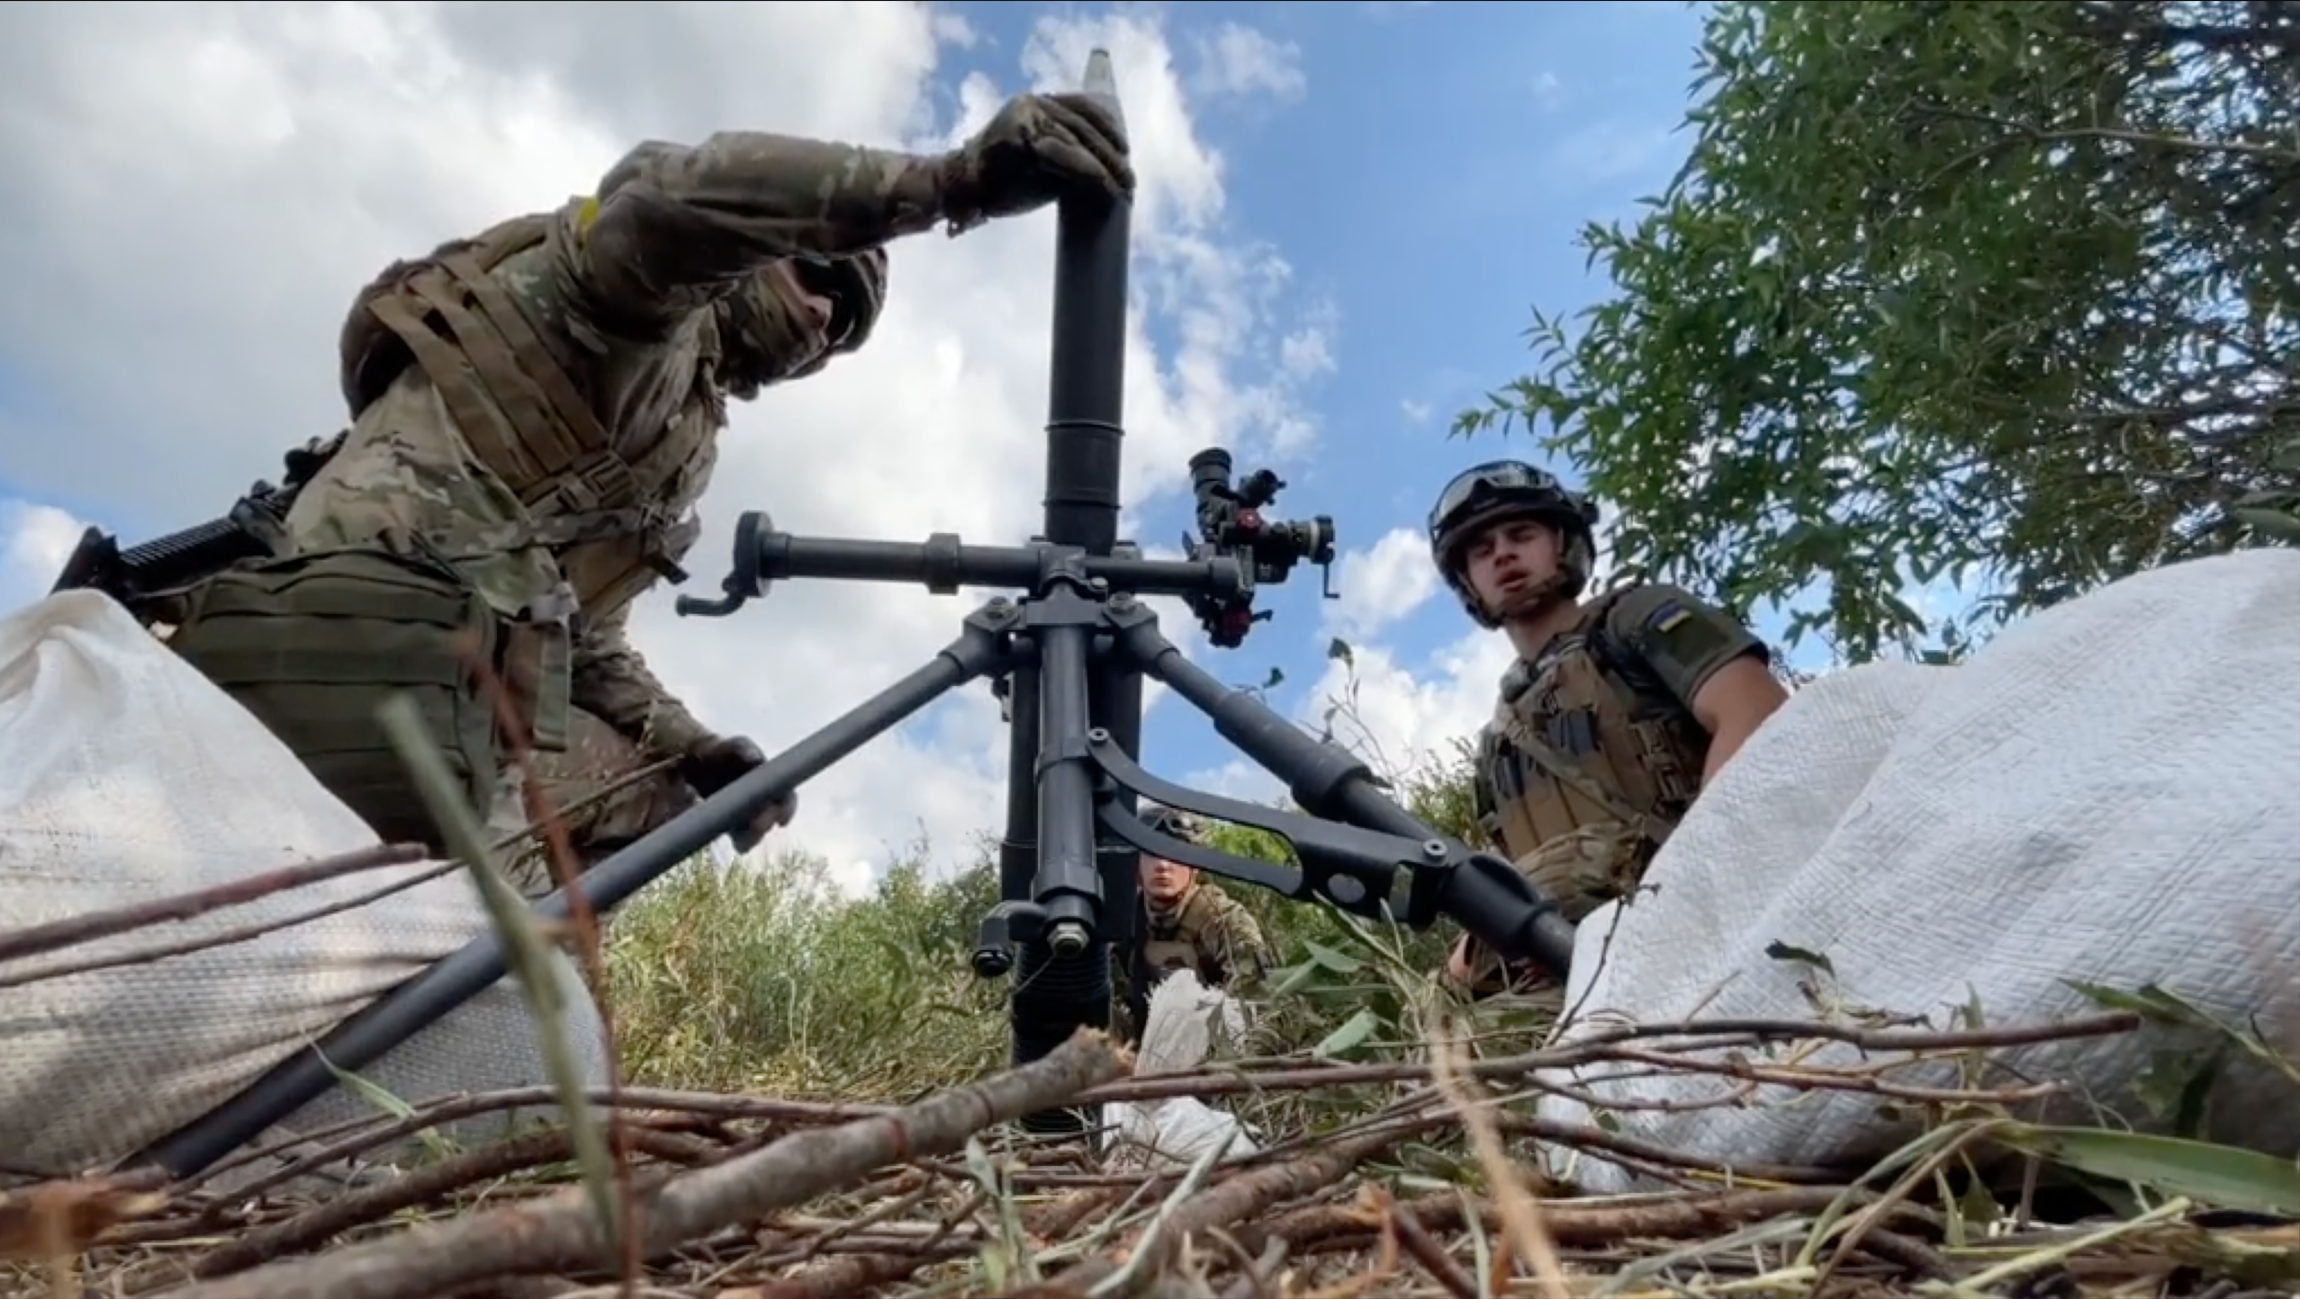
(1235, 1199)
(35, 940)
(562, 1235)
(757, 1198)
(1611, 1045)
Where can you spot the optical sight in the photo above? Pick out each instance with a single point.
(1231, 525)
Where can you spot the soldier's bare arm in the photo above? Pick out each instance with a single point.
(1731, 705)
(1707, 658)
(675, 223)
(611, 679)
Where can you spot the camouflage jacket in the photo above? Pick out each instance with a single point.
(615, 292)
(1210, 932)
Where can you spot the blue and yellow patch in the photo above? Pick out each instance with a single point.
(1679, 635)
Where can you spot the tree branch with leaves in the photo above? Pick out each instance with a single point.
(1998, 296)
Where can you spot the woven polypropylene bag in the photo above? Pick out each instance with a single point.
(2107, 793)
(126, 777)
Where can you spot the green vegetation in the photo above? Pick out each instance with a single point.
(739, 977)
(761, 978)
(1999, 296)
(2003, 296)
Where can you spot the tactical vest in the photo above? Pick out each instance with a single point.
(1162, 954)
(311, 643)
(519, 400)
(1583, 776)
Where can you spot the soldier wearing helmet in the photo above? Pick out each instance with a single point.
(1618, 710)
(1186, 923)
(535, 413)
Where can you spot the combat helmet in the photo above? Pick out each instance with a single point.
(1172, 821)
(1482, 495)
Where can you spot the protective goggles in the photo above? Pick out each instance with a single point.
(1494, 478)
(1167, 820)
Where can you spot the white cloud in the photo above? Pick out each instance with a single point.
(205, 185)
(1399, 715)
(853, 879)
(1403, 717)
(1237, 60)
(35, 540)
(1382, 585)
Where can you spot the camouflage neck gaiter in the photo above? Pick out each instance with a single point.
(764, 338)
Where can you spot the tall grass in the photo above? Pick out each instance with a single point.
(742, 976)
(760, 977)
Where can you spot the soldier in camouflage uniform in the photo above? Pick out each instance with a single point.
(1617, 711)
(535, 415)
(1187, 923)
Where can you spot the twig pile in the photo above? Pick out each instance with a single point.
(749, 1198)
(1404, 1179)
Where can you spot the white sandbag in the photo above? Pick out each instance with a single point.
(2108, 792)
(126, 776)
(1183, 1024)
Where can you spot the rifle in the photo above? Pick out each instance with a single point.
(254, 526)
(1068, 658)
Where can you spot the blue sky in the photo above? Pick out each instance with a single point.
(1430, 181)
(1423, 177)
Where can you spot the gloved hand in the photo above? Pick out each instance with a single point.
(1462, 969)
(1037, 149)
(715, 762)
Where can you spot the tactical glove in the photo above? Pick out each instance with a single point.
(1038, 148)
(717, 761)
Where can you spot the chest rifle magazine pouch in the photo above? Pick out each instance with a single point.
(312, 644)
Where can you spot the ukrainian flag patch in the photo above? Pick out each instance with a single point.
(1677, 635)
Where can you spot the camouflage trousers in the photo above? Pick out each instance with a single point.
(1581, 872)
(571, 784)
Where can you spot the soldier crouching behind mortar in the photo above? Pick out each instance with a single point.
(1617, 712)
(1185, 923)
(536, 412)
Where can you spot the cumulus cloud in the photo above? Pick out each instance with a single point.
(34, 542)
(196, 190)
(1383, 584)
(1401, 714)
(1238, 60)
(1402, 717)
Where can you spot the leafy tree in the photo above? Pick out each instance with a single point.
(2006, 293)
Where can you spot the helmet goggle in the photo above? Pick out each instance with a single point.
(1494, 478)
(1170, 821)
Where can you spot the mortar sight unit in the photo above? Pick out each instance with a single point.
(1231, 524)
(1070, 644)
